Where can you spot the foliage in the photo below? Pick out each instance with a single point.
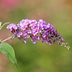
(8, 50)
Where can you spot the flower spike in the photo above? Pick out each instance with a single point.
(36, 30)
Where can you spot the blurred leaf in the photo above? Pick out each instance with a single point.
(8, 50)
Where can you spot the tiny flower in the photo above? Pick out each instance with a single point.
(12, 27)
(23, 24)
(19, 34)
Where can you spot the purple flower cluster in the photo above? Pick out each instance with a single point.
(36, 30)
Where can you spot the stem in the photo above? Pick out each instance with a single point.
(11, 37)
(1, 26)
(4, 25)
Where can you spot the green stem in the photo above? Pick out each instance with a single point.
(4, 25)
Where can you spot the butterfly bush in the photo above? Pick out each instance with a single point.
(36, 30)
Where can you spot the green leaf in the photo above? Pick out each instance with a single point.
(8, 50)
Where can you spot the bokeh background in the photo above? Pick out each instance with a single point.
(39, 57)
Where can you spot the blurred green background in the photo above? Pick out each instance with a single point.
(39, 57)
